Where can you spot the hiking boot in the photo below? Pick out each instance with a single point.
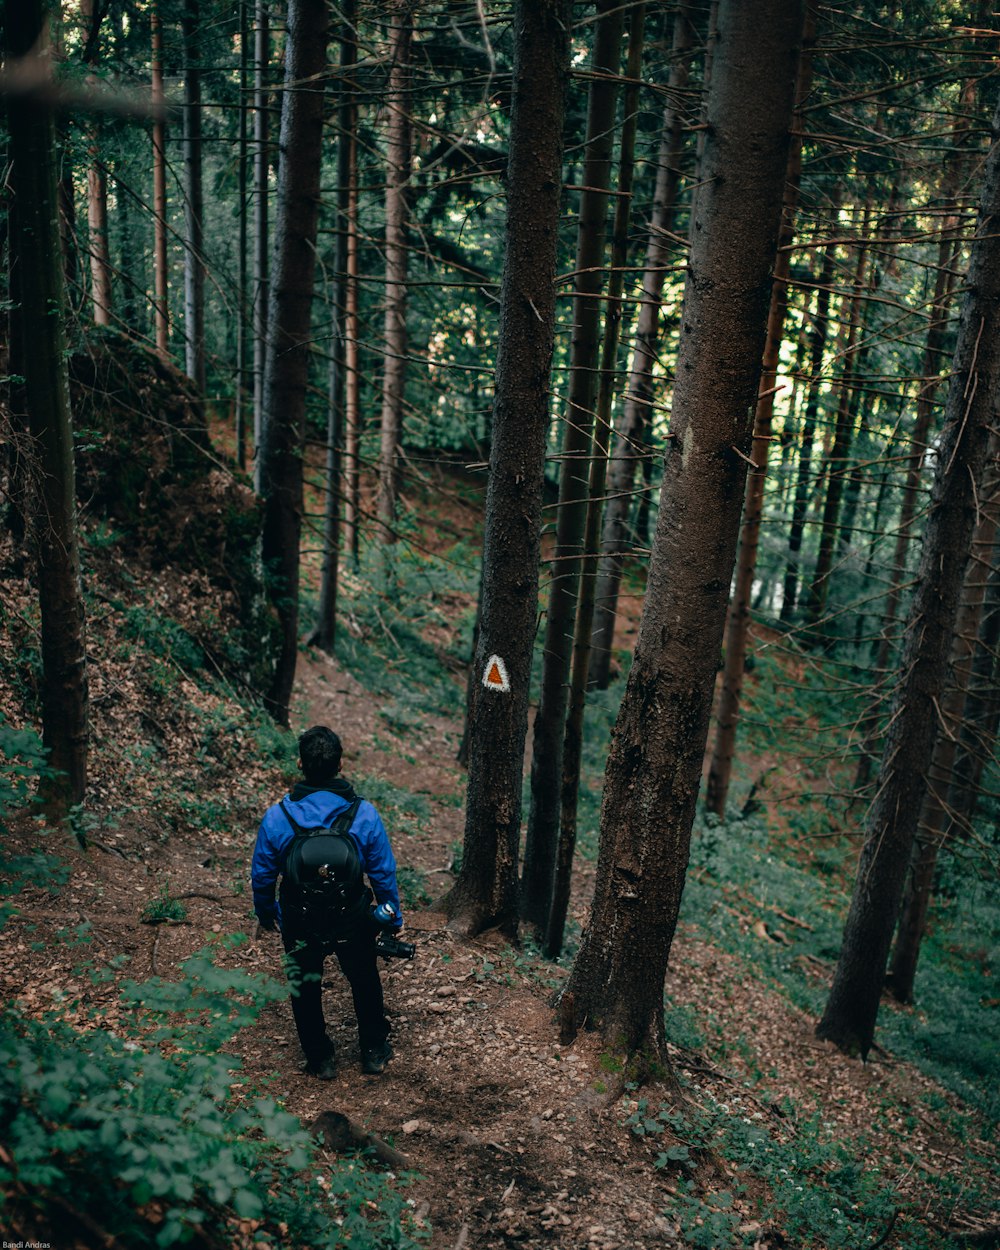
(374, 1059)
(323, 1069)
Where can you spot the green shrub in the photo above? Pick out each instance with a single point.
(149, 1110)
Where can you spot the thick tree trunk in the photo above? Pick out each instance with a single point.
(852, 1009)
(261, 224)
(161, 306)
(654, 767)
(485, 893)
(937, 329)
(194, 204)
(301, 150)
(630, 446)
(573, 739)
(571, 513)
(738, 621)
(935, 818)
(65, 728)
(981, 713)
(397, 180)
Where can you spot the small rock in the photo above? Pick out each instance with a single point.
(411, 1126)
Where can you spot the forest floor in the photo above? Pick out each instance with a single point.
(512, 1139)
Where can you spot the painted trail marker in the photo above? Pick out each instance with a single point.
(495, 675)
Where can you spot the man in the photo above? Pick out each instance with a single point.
(316, 801)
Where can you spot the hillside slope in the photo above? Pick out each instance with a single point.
(513, 1140)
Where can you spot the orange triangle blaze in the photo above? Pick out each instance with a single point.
(494, 676)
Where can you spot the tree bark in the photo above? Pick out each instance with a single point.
(397, 180)
(97, 188)
(981, 714)
(949, 247)
(261, 224)
(654, 767)
(573, 738)
(325, 631)
(852, 1009)
(630, 447)
(485, 893)
(738, 621)
(242, 158)
(571, 511)
(935, 817)
(161, 306)
(65, 705)
(352, 375)
(194, 204)
(815, 601)
(817, 349)
(301, 150)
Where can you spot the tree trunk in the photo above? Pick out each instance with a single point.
(571, 512)
(261, 204)
(31, 130)
(573, 738)
(97, 228)
(817, 349)
(815, 604)
(850, 1015)
(485, 893)
(935, 818)
(981, 713)
(194, 204)
(324, 633)
(161, 306)
(397, 179)
(944, 280)
(352, 376)
(630, 446)
(654, 767)
(301, 150)
(96, 183)
(243, 157)
(738, 622)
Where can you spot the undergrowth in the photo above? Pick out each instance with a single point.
(821, 1192)
(136, 1125)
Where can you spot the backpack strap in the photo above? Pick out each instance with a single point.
(342, 824)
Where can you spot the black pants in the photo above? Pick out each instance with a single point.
(358, 963)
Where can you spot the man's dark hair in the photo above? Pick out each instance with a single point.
(320, 752)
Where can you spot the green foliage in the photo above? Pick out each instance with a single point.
(154, 1112)
(413, 891)
(22, 765)
(682, 1027)
(163, 907)
(163, 638)
(388, 647)
(951, 1040)
(823, 1195)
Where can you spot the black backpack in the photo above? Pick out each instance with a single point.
(323, 892)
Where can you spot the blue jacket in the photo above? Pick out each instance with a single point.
(311, 808)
